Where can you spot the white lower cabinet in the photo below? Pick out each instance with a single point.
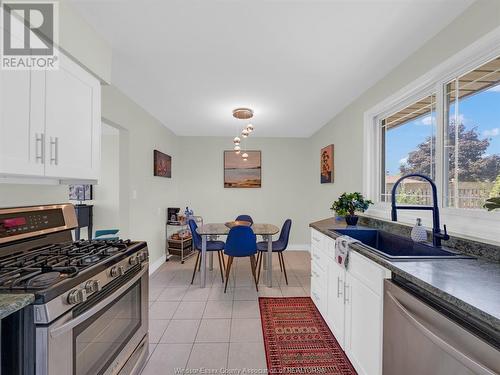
(351, 302)
(335, 316)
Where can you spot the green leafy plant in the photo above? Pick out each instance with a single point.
(350, 203)
(492, 203)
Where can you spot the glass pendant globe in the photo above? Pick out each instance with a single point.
(244, 133)
(237, 148)
(249, 128)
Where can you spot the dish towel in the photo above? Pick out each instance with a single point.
(342, 249)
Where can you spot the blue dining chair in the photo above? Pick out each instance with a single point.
(244, 218)
(211, 246)
(241, 242)
(278, 246)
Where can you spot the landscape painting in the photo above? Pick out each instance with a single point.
(162, 164)
(327, 164)
(240, 173)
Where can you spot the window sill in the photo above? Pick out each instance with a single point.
(475, 225)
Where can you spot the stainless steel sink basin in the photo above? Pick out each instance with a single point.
(394, 247)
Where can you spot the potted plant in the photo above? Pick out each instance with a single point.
(348, 204)
(492, 203)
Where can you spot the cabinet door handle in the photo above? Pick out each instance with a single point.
(339, 290)
(346, 298)
(40, 147)
(54, 156)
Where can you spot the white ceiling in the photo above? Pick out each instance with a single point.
(296, 63)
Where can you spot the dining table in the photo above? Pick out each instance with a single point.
(221, 229)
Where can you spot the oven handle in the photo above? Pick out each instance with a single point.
(93, 310)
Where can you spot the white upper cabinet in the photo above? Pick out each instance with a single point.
(73, 123)
(21, 127)
(50, 123)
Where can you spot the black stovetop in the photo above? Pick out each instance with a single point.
(55, 268)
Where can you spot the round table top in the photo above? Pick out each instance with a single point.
(222, 229)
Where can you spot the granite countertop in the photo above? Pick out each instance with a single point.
(10, 303)
(471, 285)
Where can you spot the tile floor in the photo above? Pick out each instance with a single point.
(193, 328)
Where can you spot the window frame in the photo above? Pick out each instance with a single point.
(486, 225)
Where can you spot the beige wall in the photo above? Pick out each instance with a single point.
(285, 182)
(143, 197)
(107, 192)
(285, 179)
(346, 129)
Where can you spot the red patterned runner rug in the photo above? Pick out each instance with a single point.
(297, 339)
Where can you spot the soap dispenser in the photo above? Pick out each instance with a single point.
(418, 233)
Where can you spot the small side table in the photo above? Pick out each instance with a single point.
(84, 215)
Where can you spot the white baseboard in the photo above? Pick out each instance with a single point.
(298, 247)
(156, 264)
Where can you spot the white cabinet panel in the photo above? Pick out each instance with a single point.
(21, 132)
(72, 123)
(335, 300)
(351, 301)
(363, 326)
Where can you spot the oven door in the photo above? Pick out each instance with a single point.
(100, 335)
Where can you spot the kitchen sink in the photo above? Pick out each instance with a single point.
(396, 247)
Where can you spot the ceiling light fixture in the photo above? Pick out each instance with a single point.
(242, 114)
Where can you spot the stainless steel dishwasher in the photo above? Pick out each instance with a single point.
(419, 340)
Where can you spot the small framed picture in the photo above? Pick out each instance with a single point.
(162, 164)
(327, 164)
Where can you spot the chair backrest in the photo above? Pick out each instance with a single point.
(194, 233)
(285, 232)
(244, 218)
(241, 242)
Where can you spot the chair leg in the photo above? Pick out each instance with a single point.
(259, 265)
(284, 269)
(195, 266)
(219, 255)
(253, 264)
(281, 266)
(228, 269)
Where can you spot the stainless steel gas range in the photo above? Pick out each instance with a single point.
(90, 314)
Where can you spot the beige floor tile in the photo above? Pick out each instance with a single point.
(218, 310)
(214, 330)
(166, 358)
(151, 349)
(245, 309)
(172, 294)
(246, 294)
(190, 310)
(246, 330)
(246, 355)
(154, 292)
(264, 291)
(162, 310)
(195, 293)
(156, 329)
(208, 356)
(217, 294)
(180, 332)
(293, 291)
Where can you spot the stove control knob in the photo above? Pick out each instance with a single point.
(92, 286)
(133, 260)
(77, 296)
(117, 271)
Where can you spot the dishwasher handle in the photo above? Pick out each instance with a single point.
(474, 366)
